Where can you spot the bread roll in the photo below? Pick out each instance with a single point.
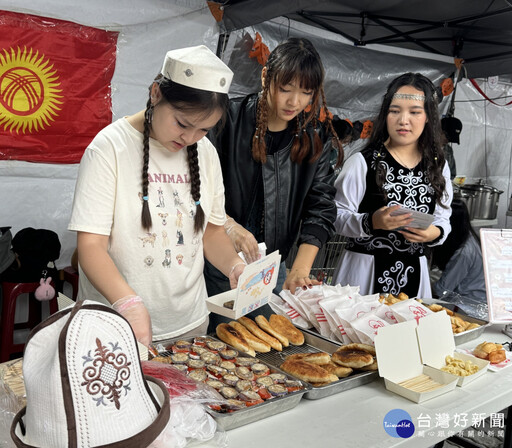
(232, 337)
(357, 346)
(284, 326)
(265, 326)
(352, 358)
(255, 343)
(339, 371)
(313, 358)
(306, 371)
(259, 333)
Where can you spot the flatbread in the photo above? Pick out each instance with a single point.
(352, 358)
(284, 326)
(255, 343)
(265, 326)
(313, 358)
(339, 371)
(259, 333)
(230, 336)
(306, 371)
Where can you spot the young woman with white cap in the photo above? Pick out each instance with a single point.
(149, 202)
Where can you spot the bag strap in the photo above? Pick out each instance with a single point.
(18, 421)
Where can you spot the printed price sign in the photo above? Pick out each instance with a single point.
(497, 259)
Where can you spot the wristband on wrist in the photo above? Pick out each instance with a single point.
(234, 266)
(125, 303)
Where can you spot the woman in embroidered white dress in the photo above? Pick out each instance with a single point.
(403, 164)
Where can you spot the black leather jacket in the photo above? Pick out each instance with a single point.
(294, 193)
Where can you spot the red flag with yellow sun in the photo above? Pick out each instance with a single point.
(54, 87)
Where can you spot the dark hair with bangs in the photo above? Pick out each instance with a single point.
(296, 59)
(188, 99)
(429, 143)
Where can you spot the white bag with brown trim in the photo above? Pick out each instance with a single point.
(85, 387)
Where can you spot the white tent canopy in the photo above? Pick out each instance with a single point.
(40, 195)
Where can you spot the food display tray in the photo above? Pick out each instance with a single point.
(313, 344)
(259, 411)
(461, 338)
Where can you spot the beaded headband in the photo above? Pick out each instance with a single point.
(408, 96)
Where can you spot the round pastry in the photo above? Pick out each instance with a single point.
(179, 358)
(228, 354)
(352, 358)
(210, 358)
(230, 379)
(260, 369)
(198, 374)
(265, 381)
(228, 392)
(216, 346)
(195, 363)
(244, 373)
(356, 346)
(242, 385)
(228, 365)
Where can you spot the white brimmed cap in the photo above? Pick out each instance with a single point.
(85, 385)
(197, 67)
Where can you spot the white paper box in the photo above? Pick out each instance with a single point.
(436, 341)
(254, 289)
(399, 358)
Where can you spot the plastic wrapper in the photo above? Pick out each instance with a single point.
(468, 305)
(189, 423)
(10, 404)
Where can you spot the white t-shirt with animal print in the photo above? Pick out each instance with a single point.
(165, 265)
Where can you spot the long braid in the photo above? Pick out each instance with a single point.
(259, 147)
(146, 214)
(335, 139)
(195, 186)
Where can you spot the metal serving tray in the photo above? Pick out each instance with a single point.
(257, 412)
(316, 343)
(461, 338)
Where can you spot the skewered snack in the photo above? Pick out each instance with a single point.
(495, 353)
(259, 333)
(420, 383)
(307, 371)
(232, 337)
(284, 326)
(264, 324)
(255, 343)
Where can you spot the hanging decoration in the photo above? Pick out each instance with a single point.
(259, 50)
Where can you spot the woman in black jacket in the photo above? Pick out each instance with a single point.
(275, 163)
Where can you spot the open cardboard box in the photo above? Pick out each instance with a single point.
(399, 358)
(254, 289)
(409, 349)
(437, 341)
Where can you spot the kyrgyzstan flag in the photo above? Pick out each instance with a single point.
(54, 87)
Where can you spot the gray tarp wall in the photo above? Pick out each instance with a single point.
(40, 195)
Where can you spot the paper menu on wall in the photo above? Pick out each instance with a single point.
(420, 220)
(497, 260)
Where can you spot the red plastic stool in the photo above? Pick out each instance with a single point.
(70, 274)
(10, 294)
